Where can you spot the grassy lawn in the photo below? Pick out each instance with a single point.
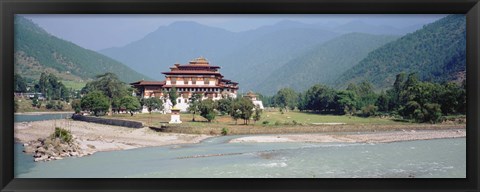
(278, 123)
(273, 119)
(75, 85)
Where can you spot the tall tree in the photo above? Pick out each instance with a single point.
(173, 96)
(194, 101)
(207, 109)
(286, 98)
(153, 103)
(130, 103)
(20, 84)
(110, 86)
(95, 101)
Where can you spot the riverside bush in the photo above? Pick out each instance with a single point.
(224, 131)
(63, 134)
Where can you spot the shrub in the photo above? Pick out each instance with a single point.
(50, 105)
(294, 122)
(59, 106)
(224, 131)
(369, 110)
(63, 134)
(265, 122)
(277, 123)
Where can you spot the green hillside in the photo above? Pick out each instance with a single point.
(324, 63)
(37, 51)
(436, 53)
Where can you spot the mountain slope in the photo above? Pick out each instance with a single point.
(37, 51)
(324, 63)
(234, 52)
(178, 42)
(251, 64)
(436, 52)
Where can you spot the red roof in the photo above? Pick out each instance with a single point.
(142, 82)
(191, 86)
(191, 72)
(198, 66)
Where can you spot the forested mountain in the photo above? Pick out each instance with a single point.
(37, 51)
(234, 52)
(324, 63)
(437, 53)
(252, 64)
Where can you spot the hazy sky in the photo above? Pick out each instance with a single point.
(98, 32)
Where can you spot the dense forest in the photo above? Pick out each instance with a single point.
(437, 53)
(36, 51)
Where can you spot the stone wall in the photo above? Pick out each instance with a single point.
(117, 122)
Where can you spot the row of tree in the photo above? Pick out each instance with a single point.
(238, 108)
(48, 85)
(409, 98)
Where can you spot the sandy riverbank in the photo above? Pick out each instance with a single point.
(378, 137)
(102, 137)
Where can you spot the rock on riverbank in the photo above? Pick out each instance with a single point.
(52, 148)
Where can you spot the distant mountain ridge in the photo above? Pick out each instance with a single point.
(244, 57)
(437, 53)
(323, 63)
(37, 51)
(287, 54)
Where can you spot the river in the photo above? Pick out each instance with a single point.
(216, 158)
(439, 158)
(41, 116)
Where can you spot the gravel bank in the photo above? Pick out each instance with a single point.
(374, 137)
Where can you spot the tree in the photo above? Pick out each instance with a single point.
(345, 102)
(109, 85)
(235, 112)
(257, 115)
(193, 104)
(382, 102)
(286, 98)
(320, 98)
(245, 106)
(130, 103)
(76, 105)
(95, 101)
(172, 95)
(207, 109)
(20, 84)
(366, 95)
(35, 101)
(452, 98)
(153, 103)
(49, 85)
(224, 105)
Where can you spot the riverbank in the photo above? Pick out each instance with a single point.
(377, 137)
(102, 137)
(44, 112)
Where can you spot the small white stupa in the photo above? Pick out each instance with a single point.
(175, 115)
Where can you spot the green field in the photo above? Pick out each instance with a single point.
(273, 119)
(279, 123)
(75, 85)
